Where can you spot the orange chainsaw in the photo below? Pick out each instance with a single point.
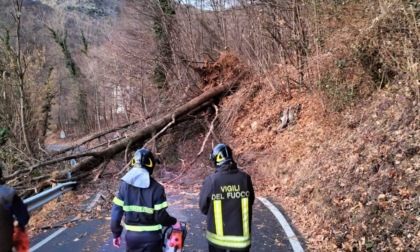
(174, 238)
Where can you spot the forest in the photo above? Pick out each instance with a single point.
(318, 98)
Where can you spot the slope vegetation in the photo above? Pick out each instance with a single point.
(346, 167)
(339, 152)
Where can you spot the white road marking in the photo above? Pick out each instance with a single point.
(283, 222)
(49, 238)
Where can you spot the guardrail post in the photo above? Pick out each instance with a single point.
(68, 176)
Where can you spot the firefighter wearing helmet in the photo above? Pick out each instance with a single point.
(226, 197)
(143, 201)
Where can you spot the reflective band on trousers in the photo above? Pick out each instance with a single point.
(142, 228)
(229, 241)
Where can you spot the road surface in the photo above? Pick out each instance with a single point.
(268, 234)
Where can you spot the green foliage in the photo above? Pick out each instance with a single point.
(82, 109)
(92, 12)
(158, 29)
(91, 8)
(158, 23)
(338, 95)
(6, 39)
(48, 95)
(255, 89)
(159, 77)
(61, 40)
(341, 64)
(85, 43)
(415, 5)
(166, 7)
(82, 105)
(320, 42)
(370, 245)
(4, 134)
(161, 27)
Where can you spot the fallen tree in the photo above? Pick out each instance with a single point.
(95, 158)
(230, 74)
(95, 136)
(137, 139)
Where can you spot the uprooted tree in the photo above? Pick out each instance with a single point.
(218, 80)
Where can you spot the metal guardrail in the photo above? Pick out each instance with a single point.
(46, 196)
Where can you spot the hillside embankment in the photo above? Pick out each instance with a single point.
(345, 165)
(346, 169)
(348, 181)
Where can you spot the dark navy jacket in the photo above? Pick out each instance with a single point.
(226, 197)
(144, 208)
(11, 207)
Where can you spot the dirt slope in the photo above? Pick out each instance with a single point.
(348, 174)
(348, 181)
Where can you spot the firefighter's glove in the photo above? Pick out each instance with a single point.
(177, 225)
(117, 242)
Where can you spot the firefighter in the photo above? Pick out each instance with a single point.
(143, 201)
(11, 208)
(226, 197)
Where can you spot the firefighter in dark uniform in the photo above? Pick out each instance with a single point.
(226, 197)
(11, 208)
(143, 201)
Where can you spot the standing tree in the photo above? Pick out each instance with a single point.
(25, 106)
(162, 26)
(82, 105)
(19, 69)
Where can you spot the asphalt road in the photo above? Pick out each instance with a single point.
(267, 233)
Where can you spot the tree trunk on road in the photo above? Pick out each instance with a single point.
(95, 158)
(137, 139)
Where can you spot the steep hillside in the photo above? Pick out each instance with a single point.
(338, 151)
(91, 8)
(347, 181)
(346, 169)
(346, 165)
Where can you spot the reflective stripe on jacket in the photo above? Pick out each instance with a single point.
(144, 208)
(226, 198)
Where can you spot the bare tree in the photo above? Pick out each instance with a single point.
(20, 71)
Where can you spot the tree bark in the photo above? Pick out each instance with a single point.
(21, 75)
(95, 136)
(94, 159)
(139, 137)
